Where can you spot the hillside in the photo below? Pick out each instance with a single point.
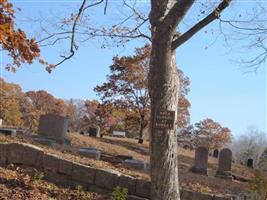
(115, 146)
(111, 147)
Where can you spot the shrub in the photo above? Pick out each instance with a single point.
(119, 193)
(259, 185)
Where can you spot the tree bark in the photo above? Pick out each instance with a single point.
(163, 89)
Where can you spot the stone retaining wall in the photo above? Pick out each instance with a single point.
(65, 172)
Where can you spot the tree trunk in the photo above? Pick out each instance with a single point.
(163, 89)
(141, 130)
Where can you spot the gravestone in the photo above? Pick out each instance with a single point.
(125, 157)
(250, 163)
(225, 164)
(53, 127)
(8, 131)
(119, 134)
(216, 153)
(90, 153)
(201, 161)
(94, 132)
(135, 164)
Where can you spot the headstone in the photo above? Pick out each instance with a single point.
(225, 164)
(90, 153)
(119, 134)
(216, 153)
(136, 164)
(53, 127)
(250, 163)
(94, 132)
(8, 131)
(125, 157)
(201, 161)
(81, 132)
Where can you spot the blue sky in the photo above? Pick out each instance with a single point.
(219, 87)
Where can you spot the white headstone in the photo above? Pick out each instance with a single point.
(119, 133)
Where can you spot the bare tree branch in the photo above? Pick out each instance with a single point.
(197, 27)
(73, 46)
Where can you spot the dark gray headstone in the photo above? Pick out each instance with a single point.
(250, 162)
(125, 157)
(94, 132)
(201, 161)
(81, 132)
(216, 153)
(53, 127)
(225, 164)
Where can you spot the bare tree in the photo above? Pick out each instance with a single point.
(249, 145)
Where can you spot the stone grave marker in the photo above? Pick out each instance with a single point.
(94, 131)
(250, 163)
(53, 127)
(125, 157)
(118, 134)
(225, 164)
(216, 153)
(81, 133)
(90, 153)
(201, 161)
(136, 164)
(8, 131)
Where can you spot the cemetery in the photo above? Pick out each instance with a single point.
(101, 164)
(133, 100)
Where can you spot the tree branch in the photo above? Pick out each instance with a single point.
(73, 46)
(197, 27)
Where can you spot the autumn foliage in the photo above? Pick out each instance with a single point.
(10, 103)
(100, 115)
(24, 109)
(127, 88)
(215, 135)
(259, 185)
(20, 48)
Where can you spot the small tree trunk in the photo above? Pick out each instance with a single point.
(163, 89)
(141, 130)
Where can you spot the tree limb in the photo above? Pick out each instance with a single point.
(204, 22)
(73, 46)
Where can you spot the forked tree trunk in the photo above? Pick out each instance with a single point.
(163, 89)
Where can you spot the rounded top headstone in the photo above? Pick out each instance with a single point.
(225, 160)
